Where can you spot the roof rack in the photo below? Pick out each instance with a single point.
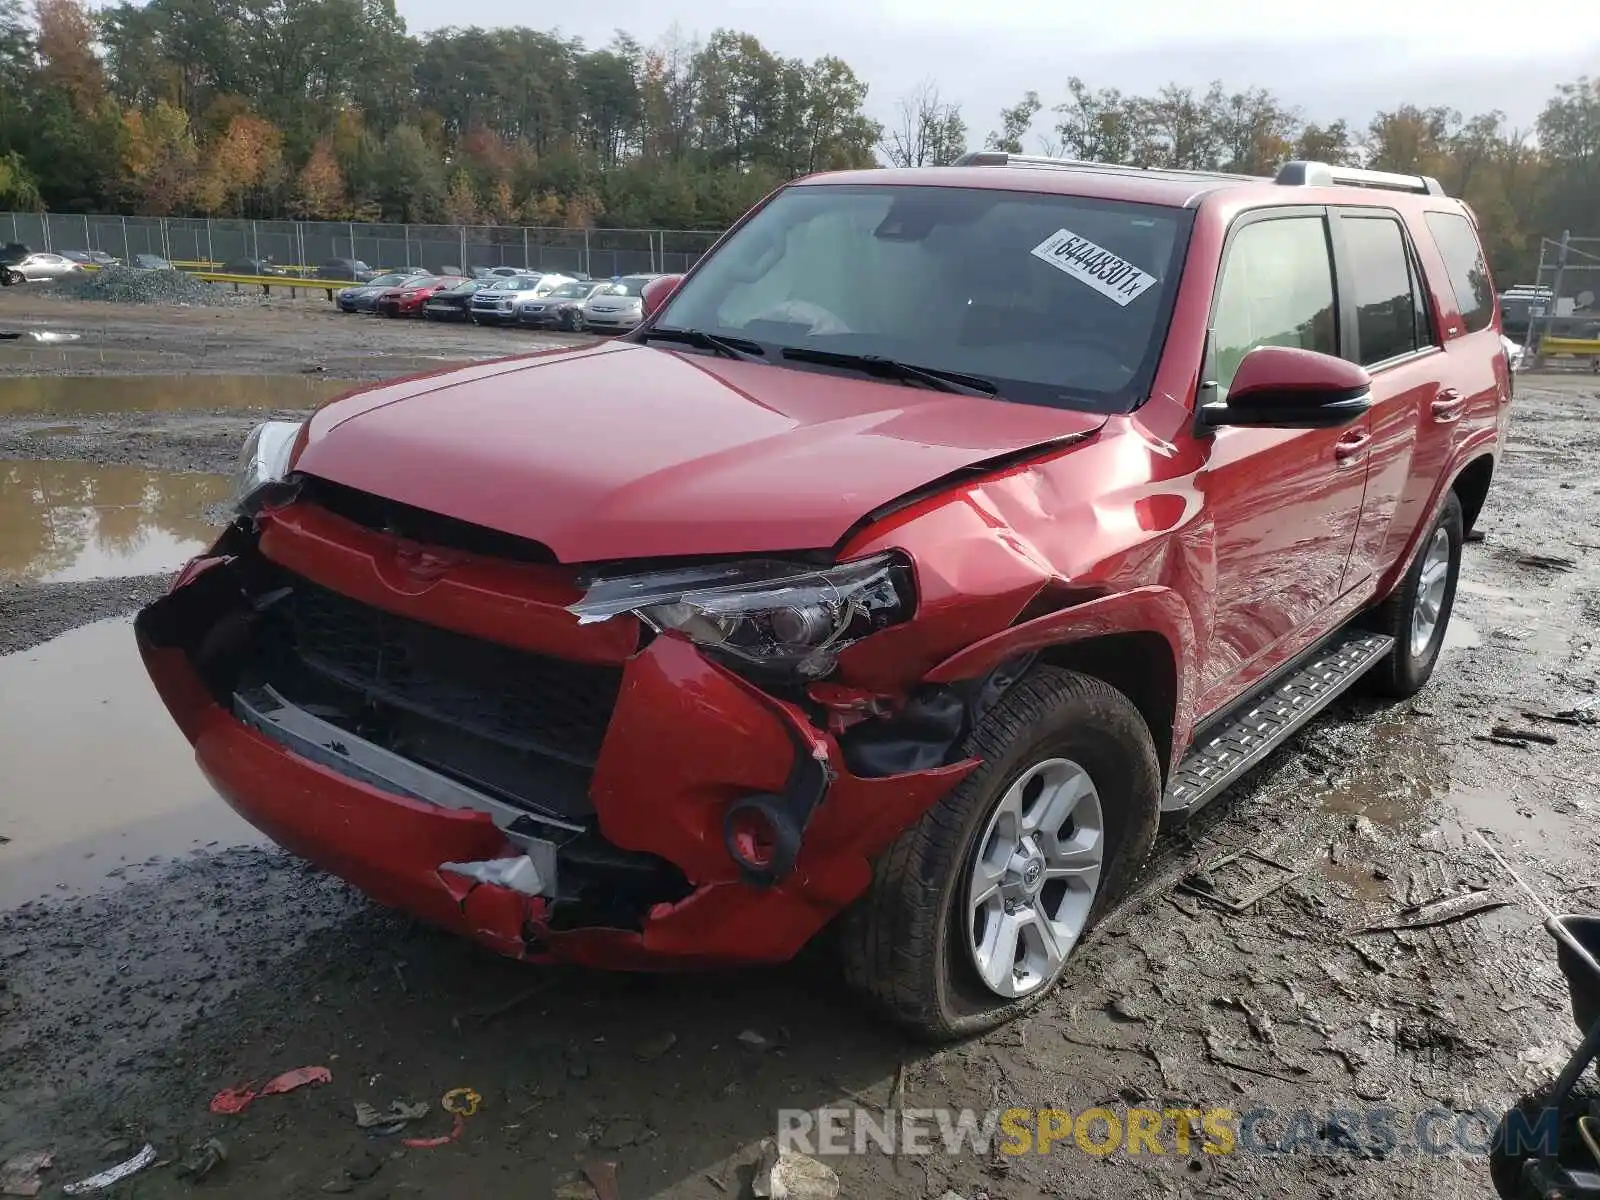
(1317, 174)
(1003, 158)
(1292, 174)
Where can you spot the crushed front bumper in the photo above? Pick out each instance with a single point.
(685, 740)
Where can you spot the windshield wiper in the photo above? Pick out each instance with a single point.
(738, 348)
(889, 368)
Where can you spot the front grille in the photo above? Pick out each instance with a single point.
(419, 524)
(545, 706)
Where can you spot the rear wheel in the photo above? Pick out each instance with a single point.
(1417, 614)
(974, 911)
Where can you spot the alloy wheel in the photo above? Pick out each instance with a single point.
(1033, 877)
(1431, 585)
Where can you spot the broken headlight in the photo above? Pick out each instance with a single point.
(783, 616)
(263, 461)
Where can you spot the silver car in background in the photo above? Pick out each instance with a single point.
(619, 307)
(562, 308)
(497, 303)
(38, 267)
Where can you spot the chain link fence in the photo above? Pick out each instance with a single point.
(311, 244)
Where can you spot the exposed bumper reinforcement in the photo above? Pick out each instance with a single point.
(309, 736)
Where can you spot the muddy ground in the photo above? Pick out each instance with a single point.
(173, 954)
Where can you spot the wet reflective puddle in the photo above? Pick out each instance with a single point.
(96, 776)
(79, 394)
(62, 522)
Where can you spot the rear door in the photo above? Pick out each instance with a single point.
(1285, 503)
(1393, 335)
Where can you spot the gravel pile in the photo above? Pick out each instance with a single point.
(123, 285)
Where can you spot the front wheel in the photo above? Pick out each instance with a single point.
(974, 911)
(1417, 614)
(10, 278)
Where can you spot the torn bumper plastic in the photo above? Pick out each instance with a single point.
(687, 741)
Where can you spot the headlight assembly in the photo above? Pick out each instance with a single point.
(263, 462)
(786, 617)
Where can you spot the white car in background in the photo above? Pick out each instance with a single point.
(497, 303)
(619, 307)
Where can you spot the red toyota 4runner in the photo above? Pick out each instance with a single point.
(937, 536)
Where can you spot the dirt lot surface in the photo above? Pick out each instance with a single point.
(154, 951)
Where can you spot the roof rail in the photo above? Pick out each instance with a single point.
(1003, 158)
(1317, 174)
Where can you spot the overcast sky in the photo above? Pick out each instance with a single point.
(1365, 56)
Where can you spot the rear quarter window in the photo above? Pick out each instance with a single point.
(1469, 272)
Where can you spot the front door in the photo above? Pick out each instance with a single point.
(1285, 502)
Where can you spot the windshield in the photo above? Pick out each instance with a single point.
(390, 280)
(626, 287)
(514, 283)
(1057, 300)
(570, 291)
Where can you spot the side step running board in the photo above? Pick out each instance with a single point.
(1267, 717)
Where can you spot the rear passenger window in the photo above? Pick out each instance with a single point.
(1469, 273)
(1276, 290)
(1391, 319)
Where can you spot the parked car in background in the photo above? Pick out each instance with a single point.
(149, 262)
(499, 272)
(352, 269)
(618, 307)
(561, 309)
(451, 304)
(252, 266)
(497, 303)
(13, 252)
(363, 297)
(92, 258)
(407, 299)
(39, 268)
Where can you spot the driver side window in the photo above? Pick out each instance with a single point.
(1276, 289)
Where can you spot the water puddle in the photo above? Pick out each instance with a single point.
(97, 777)
(63, 522)
(1393, 780)
(78, 394)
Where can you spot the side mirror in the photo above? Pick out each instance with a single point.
(1283, 387)
(657, 291)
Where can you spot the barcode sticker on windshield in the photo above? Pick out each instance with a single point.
(1115, 278)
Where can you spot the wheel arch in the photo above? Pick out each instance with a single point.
(1141, 665)
(1141, 642)
(1471, 486)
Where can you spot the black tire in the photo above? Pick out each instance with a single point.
(1403, 672)
(1505, 1160)
(10, 278)
(903, 942)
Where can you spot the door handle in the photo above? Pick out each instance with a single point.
(1352, 447)
(1448, 406)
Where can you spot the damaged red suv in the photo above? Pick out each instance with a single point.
(937, 537)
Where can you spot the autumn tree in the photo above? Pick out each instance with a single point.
(319, 192)
(66, 53)
(160, 159)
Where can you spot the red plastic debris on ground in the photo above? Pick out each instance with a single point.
(235, 1100)
(435, 1142)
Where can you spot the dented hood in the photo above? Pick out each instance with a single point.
(629, 451)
